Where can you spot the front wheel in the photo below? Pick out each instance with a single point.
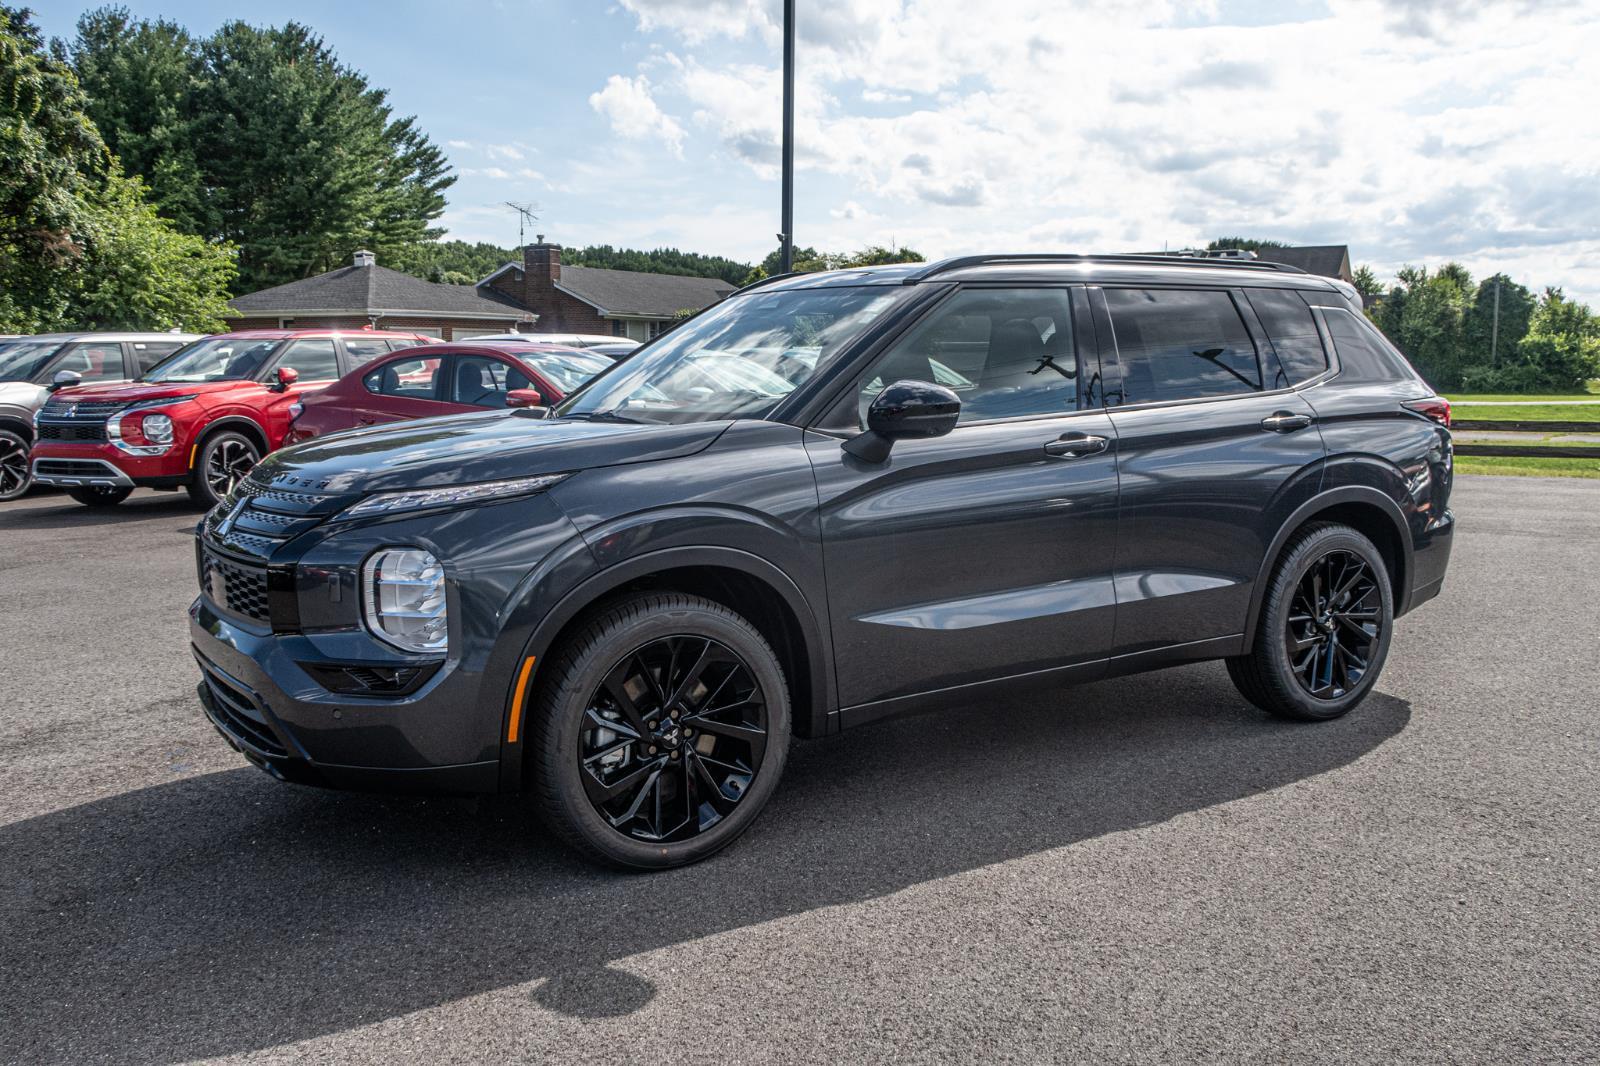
(15, 477)
(225, 459)
(100, 497)
(1324, 629)
(659, 732)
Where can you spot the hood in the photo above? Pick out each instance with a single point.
(462, 449)
(135, 391)
(21, 394)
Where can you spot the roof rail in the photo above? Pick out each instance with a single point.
(1188, 259)
(756, 284)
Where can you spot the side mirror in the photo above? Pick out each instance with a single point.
(906, 409)
(525, 398)
(287, 375)
(65, 379)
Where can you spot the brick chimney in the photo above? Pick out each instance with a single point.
(541, 270)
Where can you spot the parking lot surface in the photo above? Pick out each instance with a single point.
(1139, 870)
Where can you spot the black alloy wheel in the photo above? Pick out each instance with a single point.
(1323, 632)
(225, 460)
(676, 734)
(657, 731)
(1333, 624)
(15, 477)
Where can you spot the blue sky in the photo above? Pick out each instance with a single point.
(1414, 130)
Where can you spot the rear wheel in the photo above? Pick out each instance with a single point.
(225, 459)
(15, 477)
(660, 731)
(99, 497)
(1324, 629)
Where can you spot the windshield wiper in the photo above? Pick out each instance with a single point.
(604, 416)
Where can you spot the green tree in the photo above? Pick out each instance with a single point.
(1561, 351)
(1425, 316)
(1246, 244)
(1366, 282)
(1517, 304)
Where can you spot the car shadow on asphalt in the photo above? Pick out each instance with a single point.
(225, 912)
(58, 511)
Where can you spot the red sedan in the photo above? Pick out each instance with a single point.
(445, 379)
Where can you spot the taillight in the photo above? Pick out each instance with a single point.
(1434, 407)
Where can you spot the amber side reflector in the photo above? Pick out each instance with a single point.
(194, 450)
(515, 729)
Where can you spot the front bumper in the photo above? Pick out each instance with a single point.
(67, 465)
(270, 711)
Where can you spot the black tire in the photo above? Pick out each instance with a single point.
(98, 497)
(1314, 631)
(16, 476)
(575, 696)
(223, 460)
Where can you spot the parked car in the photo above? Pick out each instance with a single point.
(29, 367)
(445, 380)
(570, 340)
(200, 420)
(614, 351)
(629, 608)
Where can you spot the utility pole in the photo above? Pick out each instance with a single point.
(786, 256)
(1494, 334)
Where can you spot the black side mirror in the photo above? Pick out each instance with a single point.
(905, 409)
(64, 379)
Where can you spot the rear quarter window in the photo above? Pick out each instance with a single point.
(1363, 353)
(1297, 354)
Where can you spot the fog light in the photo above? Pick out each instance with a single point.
(157, 429)
(404, 599)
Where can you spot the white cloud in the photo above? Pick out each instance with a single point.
(503, 151)
(628, 106)
(1414, 130)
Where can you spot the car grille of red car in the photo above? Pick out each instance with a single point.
(66, 431)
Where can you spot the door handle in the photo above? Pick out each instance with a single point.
(1285, 422)
(1072, 445)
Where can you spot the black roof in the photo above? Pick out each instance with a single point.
(365, 290)
(634, 292)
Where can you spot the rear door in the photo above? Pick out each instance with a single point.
(987, 552)
(1212, 458)
(403, 388)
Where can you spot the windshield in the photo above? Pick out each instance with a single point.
(737, 360)
(566, 370)
(215, 359)
(21, 360)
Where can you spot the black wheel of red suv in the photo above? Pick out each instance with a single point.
(224, 460)
(660, 731)
(100, 497)
(15, 477)
(1324, 629)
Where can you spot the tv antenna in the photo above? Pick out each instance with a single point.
(525, 218)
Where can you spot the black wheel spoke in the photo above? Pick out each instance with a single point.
(1333, 624)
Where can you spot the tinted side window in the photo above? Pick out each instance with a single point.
(1363, 355)
(1007, 353)
(96, 362)
(149, 353)
(1293, 332)
(363, 350)
(313, 359)
(1181, 344)
(414, 379)
(483, 382)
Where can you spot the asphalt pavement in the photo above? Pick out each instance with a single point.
(1144, 870)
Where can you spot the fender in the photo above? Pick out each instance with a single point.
(233, 420)
(810, 721)
(17, 420)
(1363, 494)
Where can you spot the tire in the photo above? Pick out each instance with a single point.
(224, 459)
(96, 497)
(629, 647)
(1304, 661)
(16, 477)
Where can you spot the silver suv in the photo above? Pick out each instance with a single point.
(29, 367)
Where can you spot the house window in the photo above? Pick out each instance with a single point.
(619, 328)
(658, 327)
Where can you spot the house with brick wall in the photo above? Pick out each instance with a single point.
(535, 295)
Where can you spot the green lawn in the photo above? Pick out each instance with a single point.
(1529, 413)
(1512, 397)
(1494, 464)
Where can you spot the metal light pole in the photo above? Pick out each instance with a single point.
(786, 257)
(1494, 339)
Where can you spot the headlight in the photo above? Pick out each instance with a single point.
(421, 499)
(157, 429)
(404, 600)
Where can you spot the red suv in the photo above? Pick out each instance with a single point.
(200, 420)
(446, 380)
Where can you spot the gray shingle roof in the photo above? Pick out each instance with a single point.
(632, 292)
(364, 290)
(1326, 260)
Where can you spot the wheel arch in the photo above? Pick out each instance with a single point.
(752, 586)
(248, 426)
(12, 420)
(1365, 509)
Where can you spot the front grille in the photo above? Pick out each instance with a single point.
(239, 714)
(68, 432)
(254, 521)
(85, 410)
(79, 468)
(239, 589)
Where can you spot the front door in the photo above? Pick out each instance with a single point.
(987, 552)
(1211, 462)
